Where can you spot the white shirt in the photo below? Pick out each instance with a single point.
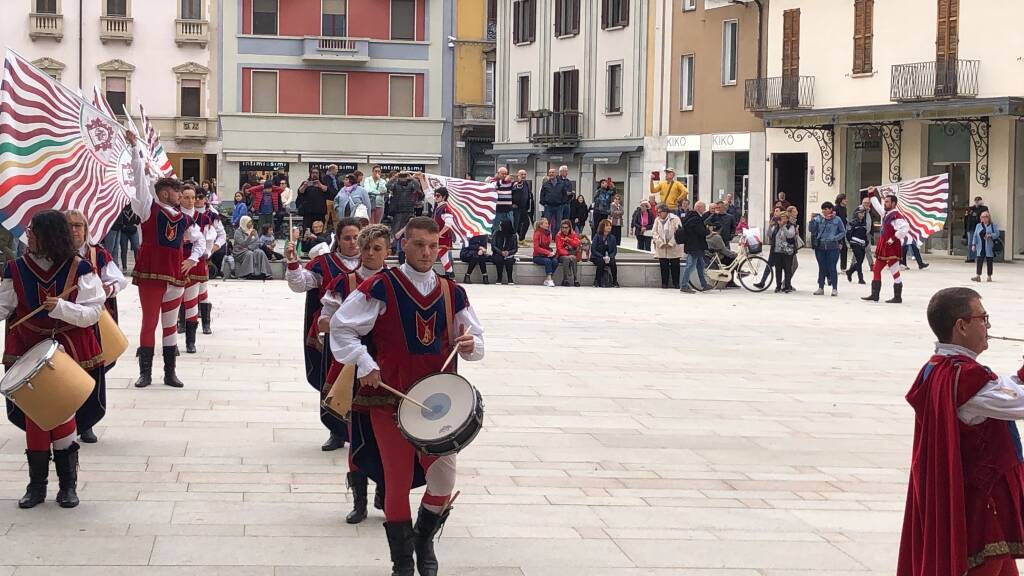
(83, 312)
(145, 197)
(112, 278)
(331, 302)
(215, 234)
(358, 314)
(1002, 398)
(302, 280)
(900, 225)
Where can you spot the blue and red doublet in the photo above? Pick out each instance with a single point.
(33, 286)
(201, 271)
(328, 266)
(99, 257)
(163, 247)
(444, 240)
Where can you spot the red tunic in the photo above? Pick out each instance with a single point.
(445, 240)
(342, 285)
(412, 337)
(884, 250)
(162, 250)
(964, 500)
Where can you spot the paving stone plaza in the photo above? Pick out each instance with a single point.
(628, 432)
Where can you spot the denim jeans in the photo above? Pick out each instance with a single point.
(552, 213)
(563, 214)
(123, 240)
(912, 248)
(550, 264)
(694, 261)
(827, 262)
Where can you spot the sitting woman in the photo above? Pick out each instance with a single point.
(268, 242)
(474, 253)
(567, 245)
(250, 261)
(504, 246)
(543, 255)
(602, 253)
(313, 236)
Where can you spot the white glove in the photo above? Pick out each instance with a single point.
(607, 259)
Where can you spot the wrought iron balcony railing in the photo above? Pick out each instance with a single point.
(779, 93)
(555, 129)
(934, 80)
(492, 30)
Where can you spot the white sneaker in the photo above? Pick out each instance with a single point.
(511, 283)
(549, 283)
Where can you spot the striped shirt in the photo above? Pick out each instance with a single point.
(504, 195)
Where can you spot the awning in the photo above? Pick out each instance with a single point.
(259, 157)
(340, 159)
(926, 110)
(602, 158)
(430, 159)
(511, 158)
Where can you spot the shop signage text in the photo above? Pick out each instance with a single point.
(685, 143)
(730, 142)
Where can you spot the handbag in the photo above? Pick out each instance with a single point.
(799, 241)
(362, 212)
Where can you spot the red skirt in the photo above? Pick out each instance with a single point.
(995, 521)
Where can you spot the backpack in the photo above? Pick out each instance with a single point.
(680, 235)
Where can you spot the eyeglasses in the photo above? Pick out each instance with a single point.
(977, 317)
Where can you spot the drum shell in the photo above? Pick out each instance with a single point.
(55, 393)
(112, 340)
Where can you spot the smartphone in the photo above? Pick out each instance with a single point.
(656, 175)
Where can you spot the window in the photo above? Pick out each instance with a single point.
(489, 83)
(567, 17)
(614, 100)
(264, 92)
(190, 169)
(523, 93)
(567, 91)
(730, 30)
(863, 35)
(191, 97)
(334, 94)
(117, 93)
(492, 10)
(117, 8)
(524, 21)
(689, 5)
(46, 6)
(191, 10)
(686, 83)
(264, 17)
(334, 14)
(402, 96)
(614, 13)
(403, 19)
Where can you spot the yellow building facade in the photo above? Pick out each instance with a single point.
(474, 45)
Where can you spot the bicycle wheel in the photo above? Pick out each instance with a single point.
(714, 267)
(749, 273)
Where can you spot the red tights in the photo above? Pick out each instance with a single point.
(397, 455)
(39, 440)
(160, 302)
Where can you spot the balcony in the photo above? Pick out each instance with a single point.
(191, 32)
(190, 129)
(934, 81)
(46, 26)
(555, 129)
(779, 93)
(474, 115)
(335, 49)
(116, 28)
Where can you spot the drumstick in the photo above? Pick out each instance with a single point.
(454, 352)
(405, 397)
(451, 501)
(63, 294)
(1006, 338)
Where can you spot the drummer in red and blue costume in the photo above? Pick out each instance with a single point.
(48, 269)
(162, 267)
(374, 243)
(406, 310)
(113, 280)
(313, 279)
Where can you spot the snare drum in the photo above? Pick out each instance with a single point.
(47, 385)
(112, 339)
(456, 414)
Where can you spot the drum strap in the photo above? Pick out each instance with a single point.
(92, 258)
(449, 314)
(353, 282)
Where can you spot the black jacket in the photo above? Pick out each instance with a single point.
(502, 241)
(634, 222)
(695, 234)
(601, 246)
(549, 195)
(471, 251)
(404, 194)
(522, 197)
(312, 201)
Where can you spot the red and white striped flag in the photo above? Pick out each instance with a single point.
(156, 149)
(924, 202)
(472, 202)
(57, 151)
(100, 101)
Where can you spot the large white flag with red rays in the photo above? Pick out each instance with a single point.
(924, 202)
(57, 151)
(156, 149)
(471, 202)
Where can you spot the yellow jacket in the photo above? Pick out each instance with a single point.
(670, 195)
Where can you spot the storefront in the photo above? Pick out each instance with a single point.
(683, 155)
(253, 172)
(730, 168)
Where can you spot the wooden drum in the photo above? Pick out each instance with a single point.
(47, 385)
(112, 339)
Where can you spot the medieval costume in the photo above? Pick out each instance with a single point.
(889, 250)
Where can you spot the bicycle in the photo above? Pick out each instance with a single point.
(746, 267)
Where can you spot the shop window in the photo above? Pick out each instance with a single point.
(117, 8)
(191, 10)
(333, 94)
(335, 14)
(567, 17)
(863, 161)
(191, 97)
(264, 92)
(46, 6)
(686, 82)
(402, 96)
(614, 13)
(614, 88)
(403, 19)
(117, 93)
(689, 5)
(523, 104)
(264, 17)
(730, 32)
(524, 21)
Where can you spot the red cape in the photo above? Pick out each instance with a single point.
(934, 541)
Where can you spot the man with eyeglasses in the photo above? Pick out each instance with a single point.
(964, 511)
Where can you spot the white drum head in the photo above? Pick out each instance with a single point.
(27, 366)
(452, 402)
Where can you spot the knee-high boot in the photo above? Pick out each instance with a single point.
(170, 362)
(876, 289)
(190, 336)
(66, 463)
(145, 355)
(402, 542)
(897, 296)
(205, 308)
(38, 471)
(357, 483)
(427, 525)
(181, 318)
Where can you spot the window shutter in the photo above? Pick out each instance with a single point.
(575, 16)
(559, 8)
(869, 34)
(858, 36)
(557, 100)
(517, 22)
(532, 7)
(623, 13)
(574, 90)
(605, 9)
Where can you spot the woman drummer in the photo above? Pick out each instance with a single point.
(40, 279)
(113, 282)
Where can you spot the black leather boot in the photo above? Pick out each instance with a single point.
(170, 361)
(897, 294)
(427, 525)
(181, 319)
(402, 542)
(357, 483)
(484, 279)
(38, 470)
(378, 496)
(467, 279)
(205, 308)
(145, 356)
(87, 436)
(876, 289)
(190, 337)
(66, 463)
(334, 442)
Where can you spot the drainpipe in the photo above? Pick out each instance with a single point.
(81, 23)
